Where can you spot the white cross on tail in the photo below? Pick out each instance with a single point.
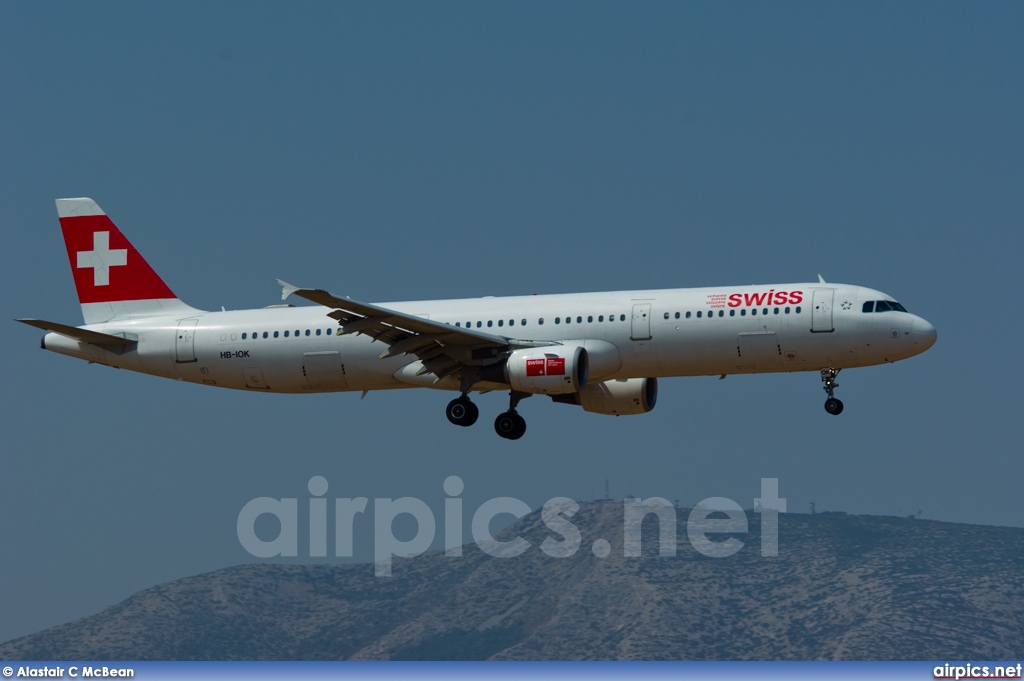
(101, 258)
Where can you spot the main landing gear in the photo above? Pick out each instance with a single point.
(462, 412)
(832, 405)
(509, 425)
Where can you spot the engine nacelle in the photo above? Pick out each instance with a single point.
(603, 358)
(549, 370)
(616, 398)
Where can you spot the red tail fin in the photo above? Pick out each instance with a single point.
(112, 278)
(106, 266)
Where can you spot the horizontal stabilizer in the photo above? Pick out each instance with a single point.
(84, 335)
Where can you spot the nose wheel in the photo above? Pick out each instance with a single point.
(832, 405)
(462, 412)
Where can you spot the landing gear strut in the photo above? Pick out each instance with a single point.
(828, 377)
(510, 425)
(462, 412)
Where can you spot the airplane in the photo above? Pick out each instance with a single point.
(603, 352)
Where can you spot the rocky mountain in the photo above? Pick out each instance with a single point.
(841, 587)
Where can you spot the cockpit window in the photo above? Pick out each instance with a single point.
(869, 306)
(885, 306)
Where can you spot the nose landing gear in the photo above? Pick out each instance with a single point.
(832, 405)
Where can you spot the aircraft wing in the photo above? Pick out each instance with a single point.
(444, 349)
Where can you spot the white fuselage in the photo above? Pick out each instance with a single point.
(747, 329)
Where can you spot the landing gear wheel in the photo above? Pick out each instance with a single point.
(833, 406)
(462, 412)
(510, 425)
(828, 377)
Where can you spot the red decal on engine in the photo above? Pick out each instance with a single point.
(556, 366)
(535, 367)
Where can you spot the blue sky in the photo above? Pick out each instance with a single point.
(396, 151)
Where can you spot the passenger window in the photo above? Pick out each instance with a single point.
(265, 334)
(276, 334)
(540, 322)
(666, 315)
(558, 320)
(753, 312)
(743, 312)
(243, 336)
(489, 323)
(787, 310)
(479, 324)
(501, 322)
(523, 323)
(797, 310)
(622, 317)
(318, 332)
(458, 323)
(732, 313)
(568, 320)
(698, 314)
(579, 320)
(600, 318)
(307, 332)
(868, 306)
(776, 310)
(687, 315)
(721, 313)
(764, 311)
(590, 319)
(285, 334)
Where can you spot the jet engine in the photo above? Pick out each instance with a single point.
(550, 370)
(615, 398)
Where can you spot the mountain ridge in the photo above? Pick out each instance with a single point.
(842, 587)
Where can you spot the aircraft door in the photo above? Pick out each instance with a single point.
(185, 343)
(323, 370)
(821, 310)
(641, 322)
(759, 351)
(254, 378)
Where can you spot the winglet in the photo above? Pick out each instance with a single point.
(286, 289)
(821, 280)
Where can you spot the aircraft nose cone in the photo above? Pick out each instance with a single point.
(924, 334)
